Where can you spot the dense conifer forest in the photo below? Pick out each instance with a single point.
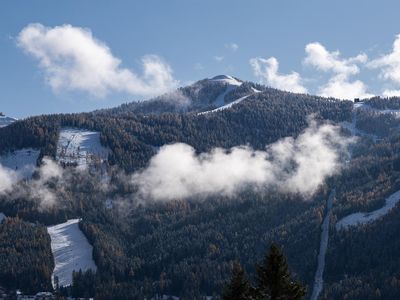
(189, 247)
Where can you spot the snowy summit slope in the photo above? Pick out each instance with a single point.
(229, 105)
(5, 121)
(227, 79)
(23, 161)
(80, 147)
(71, 251)
(231, 83)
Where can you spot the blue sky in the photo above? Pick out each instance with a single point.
(42, 70)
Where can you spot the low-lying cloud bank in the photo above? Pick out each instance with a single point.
(290, 165)
(8, 178)
(36, 189)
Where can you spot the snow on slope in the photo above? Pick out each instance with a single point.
(80, 147)
(352, 126)
(357, 132)
(229, 105)
(360, 218)
(232, 84)
(365, 106)
(2, 217)
(5, 121)
(71, 251)
(23, 161)
(319, 274)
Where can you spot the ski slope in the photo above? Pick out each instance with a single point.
(224, 106)
(229, 105)
(80, 147)
(71, 251)
(357, 132)
(365, 106)
(361, 218)
(231, 83)
(319, 274)
(2, 217)
(23, 161)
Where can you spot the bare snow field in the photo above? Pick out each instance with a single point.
(80, 147)
(71, 251)
(23, 161)
(360, 218)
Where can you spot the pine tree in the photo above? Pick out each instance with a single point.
(274, 278)
(238, 288)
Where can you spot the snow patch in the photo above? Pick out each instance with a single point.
(166, 297)
(23, 161)
(361, 218)
(71, 251)
(109, 204)
(80, 147)
(5, 121)
(2, 217)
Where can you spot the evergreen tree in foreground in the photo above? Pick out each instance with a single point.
(274, 278)
(274, 281)
(238, 288)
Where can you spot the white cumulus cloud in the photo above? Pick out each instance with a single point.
(291, 165)
(232, 46)
(389, 66)
(391, 93)
(8, 178)
(339, 85)
(73, 59)
(267, 71)
(324, 60)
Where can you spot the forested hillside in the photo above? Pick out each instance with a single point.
(26, 259)
(187, 247)
(133, 138)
